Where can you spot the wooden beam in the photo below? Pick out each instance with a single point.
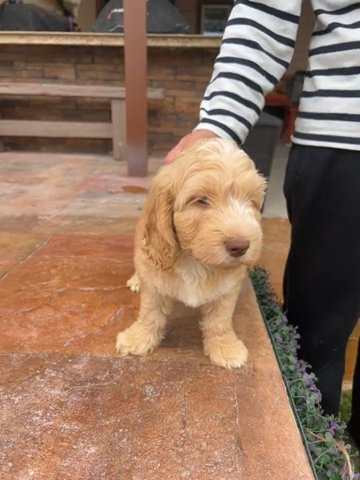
(33, 128)
(106, 39)
(57, 90)
(118, 124)
(135, 32)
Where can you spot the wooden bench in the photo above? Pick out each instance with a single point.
(116, 129)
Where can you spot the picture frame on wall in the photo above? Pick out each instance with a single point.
(214, 18)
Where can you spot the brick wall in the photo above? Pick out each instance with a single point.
(182, 73)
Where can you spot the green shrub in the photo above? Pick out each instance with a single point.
(324, 436)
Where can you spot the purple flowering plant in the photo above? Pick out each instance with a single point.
(324, 436)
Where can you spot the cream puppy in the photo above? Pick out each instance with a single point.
(199, 233)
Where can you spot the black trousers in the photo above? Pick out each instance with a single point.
(322, 276)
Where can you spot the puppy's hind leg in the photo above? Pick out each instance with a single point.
(221, 344)
(146, 333)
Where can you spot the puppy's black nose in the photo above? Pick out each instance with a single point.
(237, 248)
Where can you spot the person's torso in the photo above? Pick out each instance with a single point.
(330, 101)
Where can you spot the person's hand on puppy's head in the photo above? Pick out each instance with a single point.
(187, 142)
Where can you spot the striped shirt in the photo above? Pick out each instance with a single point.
(256, 49)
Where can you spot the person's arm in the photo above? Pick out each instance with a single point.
(256, 49)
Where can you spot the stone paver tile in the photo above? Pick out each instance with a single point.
(15, 247)
(111, 183)
(41, 200)
(116, 247)
(71, 294)
(6, 266)
(69, 321)
(48, 186)
(65, 300)
(111, 167)
(49, 274)
(88, 224)
(58, 297)
(101, 204)
(83, 418)
(45, 165)
(20, 223)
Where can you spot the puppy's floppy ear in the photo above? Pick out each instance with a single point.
(159, 234)
(260, 192)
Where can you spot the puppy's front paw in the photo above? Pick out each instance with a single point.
(134, 283)
(136, 340)
(226, 351)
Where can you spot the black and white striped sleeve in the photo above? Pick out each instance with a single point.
(256, 49)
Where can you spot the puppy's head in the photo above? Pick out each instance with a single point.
(207, 204)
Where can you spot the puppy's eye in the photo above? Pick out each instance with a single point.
(253, 201)
(204, 201)
(256, 203)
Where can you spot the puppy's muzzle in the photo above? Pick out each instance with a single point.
(237, 248)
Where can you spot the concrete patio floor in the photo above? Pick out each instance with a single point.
(71, 408)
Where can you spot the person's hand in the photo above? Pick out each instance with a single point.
(187, 142)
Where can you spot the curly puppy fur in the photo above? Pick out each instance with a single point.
(199, 233)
